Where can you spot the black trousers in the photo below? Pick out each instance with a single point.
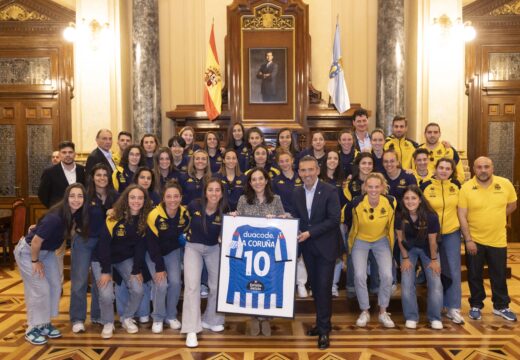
(320, 272)
(496, 260)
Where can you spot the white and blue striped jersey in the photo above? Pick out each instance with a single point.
(257, 257)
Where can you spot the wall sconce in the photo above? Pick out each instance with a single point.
(94, 32)
(444, 24)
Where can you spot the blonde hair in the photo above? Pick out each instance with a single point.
(191, 165)
(381, 178)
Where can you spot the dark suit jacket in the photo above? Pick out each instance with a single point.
(53, 183)
(96, 157)
(324, 222)
(268, 88)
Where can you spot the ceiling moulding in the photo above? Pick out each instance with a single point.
(493, 15)
(512, 8)
(33, 16)
(484, 7)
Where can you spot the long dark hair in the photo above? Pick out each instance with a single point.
(121, 210)
(357, 161)
(338, 175)
(208, 133)
(231, 140)
(222, 169)
(124, 157)
(62, 209)
(91, 186)
(346, 131)
(250, 192)
(222, 205)
(422, 211)
(157, 169)
(293, 148)
(253, 161)
(138, 172)
(256, 130)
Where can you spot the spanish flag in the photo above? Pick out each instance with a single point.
(213, 80)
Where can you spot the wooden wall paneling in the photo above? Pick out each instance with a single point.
(32, 29)
(498, 31)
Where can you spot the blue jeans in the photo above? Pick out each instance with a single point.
(81, 254)
(408, 292)
(42, 295)
(122, 294)
(106, 295)
(449, 254)
(135, 289)
(165, 296)
(383, 257)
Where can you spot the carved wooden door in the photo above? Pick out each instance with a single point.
(29, 132)
(501, 142)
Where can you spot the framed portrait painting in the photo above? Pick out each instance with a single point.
(258, 266)
(268, 75)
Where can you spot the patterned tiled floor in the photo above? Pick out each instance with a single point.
(491, 338)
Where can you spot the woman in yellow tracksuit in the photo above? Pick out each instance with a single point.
(372, 218)
(442, 192)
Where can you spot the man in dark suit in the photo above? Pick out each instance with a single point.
(102, 153)
(317, 205)
(56, 178)
(268, 73)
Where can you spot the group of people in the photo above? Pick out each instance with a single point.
(139, 218)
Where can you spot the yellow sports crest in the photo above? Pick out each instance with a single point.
(163, 225)
(121, 231)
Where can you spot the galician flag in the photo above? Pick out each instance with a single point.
(213, 81)
(337, 87)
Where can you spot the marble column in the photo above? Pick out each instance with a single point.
(390, 99)
(145, 68)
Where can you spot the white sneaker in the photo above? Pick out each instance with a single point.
(363, 319)
(78, 327)
(174, 324)
(436, 325)
(214, 328)
(455, 316)
(191, 340)
(410, 324)
(302, 291)
(144, 319)
(157, 327)
(335, 292)
(108, 331)
(384, 319)
(129, 325)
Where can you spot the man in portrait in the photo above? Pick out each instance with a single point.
(267, 73)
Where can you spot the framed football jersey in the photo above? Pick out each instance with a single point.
(258, 266)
